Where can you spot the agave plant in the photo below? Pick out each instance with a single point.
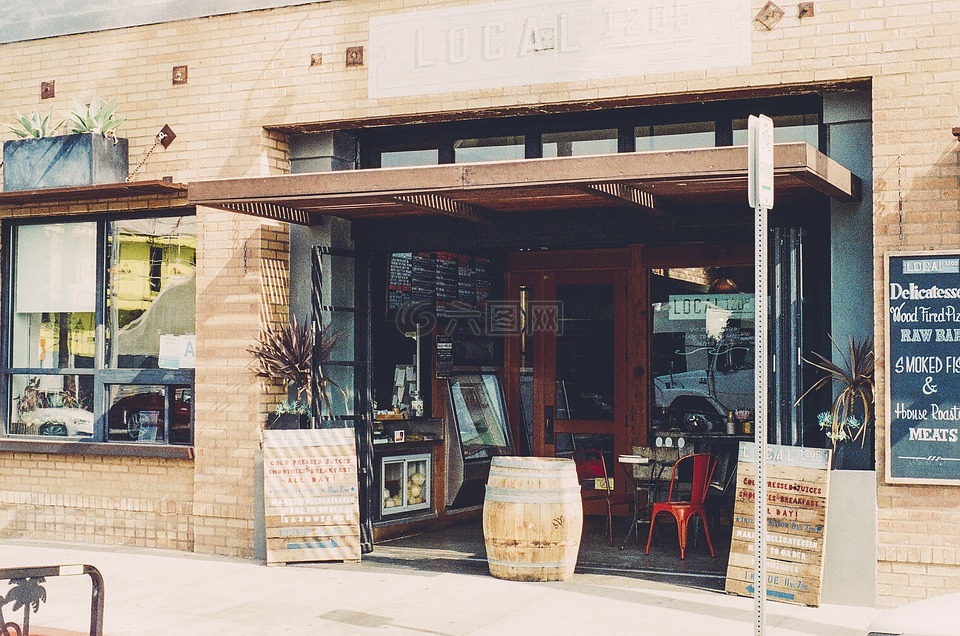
(854, 374)
(285, 352)
(98, 116)
(34, 125)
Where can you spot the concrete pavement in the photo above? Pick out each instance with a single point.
(151, 592)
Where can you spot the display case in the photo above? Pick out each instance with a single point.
(477, 431)
(405, 484)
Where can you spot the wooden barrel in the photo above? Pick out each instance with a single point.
(532, 518)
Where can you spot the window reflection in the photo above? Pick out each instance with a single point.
(138, 413)
(52, 405)
(488, 149)
(402, 158)
(580, 142)
(786, 128)
(699, 134)
(151, 292)
(702, 347)
(54, 297)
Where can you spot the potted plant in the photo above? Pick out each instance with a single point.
(849, 422)
(285, 353)
(90, 154)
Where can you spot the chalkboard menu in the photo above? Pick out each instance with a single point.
(444, 282)
(797, 483)
(923, 367)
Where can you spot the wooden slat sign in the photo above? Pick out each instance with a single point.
(797, 484)
(311, 495)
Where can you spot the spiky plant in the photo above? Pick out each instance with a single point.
(98, 116)
(34, 125)
(854, 374)
(284, 352)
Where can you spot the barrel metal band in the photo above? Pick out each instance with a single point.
(507, 495)
(514, 564)
(498, 471)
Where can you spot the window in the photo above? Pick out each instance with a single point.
(583, 142)
(488, 149)
(786, 128)
(675, 136)
(102, 324)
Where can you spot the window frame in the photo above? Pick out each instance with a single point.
(103, 377)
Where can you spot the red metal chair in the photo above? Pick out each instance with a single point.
(700, 467)
(590, 468)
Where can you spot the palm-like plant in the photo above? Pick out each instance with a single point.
(285, 352)
(854, 374)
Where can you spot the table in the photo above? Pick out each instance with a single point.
(648, 486)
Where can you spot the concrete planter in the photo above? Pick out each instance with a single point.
(64, 161)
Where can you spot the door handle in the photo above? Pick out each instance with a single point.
(548, 432)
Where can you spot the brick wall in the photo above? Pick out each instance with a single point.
(251, 70)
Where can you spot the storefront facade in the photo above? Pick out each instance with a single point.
(605, 174)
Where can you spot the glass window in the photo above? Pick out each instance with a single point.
(702, 347)
(699, 134)
(585, 352)
(141, 316)
(786, 128)
(401, 158)
(54, 405)
(138, 413)
(580, 142)
(151, 292)
(55, 295)
(480, 417)
(488, 149)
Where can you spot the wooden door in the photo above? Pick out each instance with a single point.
(565, 367)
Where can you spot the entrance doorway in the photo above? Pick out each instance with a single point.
(565, 367)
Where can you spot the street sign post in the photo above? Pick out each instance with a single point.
(760, 188)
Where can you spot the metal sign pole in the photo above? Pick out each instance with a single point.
(760, 186)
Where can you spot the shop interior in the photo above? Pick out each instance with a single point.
(462, 346)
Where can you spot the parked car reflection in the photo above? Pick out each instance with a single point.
(140, 416)
(58, 422)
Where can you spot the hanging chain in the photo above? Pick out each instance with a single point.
(160, 137)
(900, 200)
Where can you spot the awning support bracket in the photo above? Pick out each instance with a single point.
(625, 193)
(266, 210)
(446, 206)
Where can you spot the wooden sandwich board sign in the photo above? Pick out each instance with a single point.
(797, 483)
(311, 495)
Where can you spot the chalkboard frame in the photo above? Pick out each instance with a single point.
(893, 468)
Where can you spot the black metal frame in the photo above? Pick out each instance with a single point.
(102, 376)
(36, 575)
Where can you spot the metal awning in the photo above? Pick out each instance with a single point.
(656, 183)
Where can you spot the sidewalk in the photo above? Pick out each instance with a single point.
(151, 592)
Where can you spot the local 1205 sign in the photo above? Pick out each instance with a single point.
(923, 367)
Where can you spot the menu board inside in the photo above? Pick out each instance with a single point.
(923, 367)
(797, 483)
(445, 282)
(311, 495)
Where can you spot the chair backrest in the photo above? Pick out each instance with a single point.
(699, 467)
(590, 465)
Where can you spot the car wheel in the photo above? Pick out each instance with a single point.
(58, 430)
